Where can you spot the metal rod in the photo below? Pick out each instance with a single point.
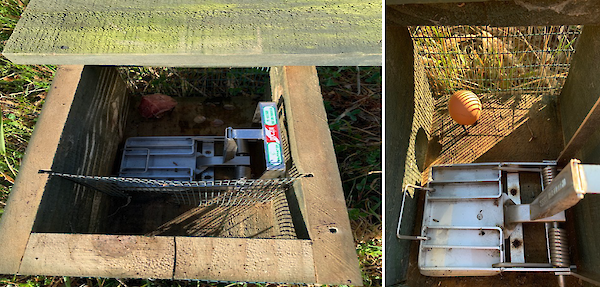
(404, 192)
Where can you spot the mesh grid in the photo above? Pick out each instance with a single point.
(514, 70)
(239, 192)
(496, 60)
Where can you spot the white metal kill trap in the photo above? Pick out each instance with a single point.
(204, 170)
(473, 213)
(192, 158)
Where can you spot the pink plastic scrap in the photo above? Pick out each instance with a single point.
(155, 105)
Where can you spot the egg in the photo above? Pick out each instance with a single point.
(464, 107)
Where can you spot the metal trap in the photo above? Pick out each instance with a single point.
(203, 193)
(473, 216)
(475, 220)
(203, 170)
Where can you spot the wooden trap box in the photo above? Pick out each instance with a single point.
(560, 129)
(54, 227)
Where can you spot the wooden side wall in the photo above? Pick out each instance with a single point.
(400, 109)
(88, 146)
(580, 116)
(321, 197)
(25, 197)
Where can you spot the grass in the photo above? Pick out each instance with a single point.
(353, 102)
(22, 92)
(515, 71)
(495, 60)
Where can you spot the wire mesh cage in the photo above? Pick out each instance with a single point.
(237, 192)
(513, 70)
(496, 60)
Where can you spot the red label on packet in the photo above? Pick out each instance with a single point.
(271, 134)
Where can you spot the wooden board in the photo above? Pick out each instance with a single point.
(239, 259)
(400, 112)
(494, 13)
(579, 100)
(580, 113)
(321, 198)
(216, 33)
(89, 139)
(25, 197)
(86, 255)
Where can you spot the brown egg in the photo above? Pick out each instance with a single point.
(464, 107)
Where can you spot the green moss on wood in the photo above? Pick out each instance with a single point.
(195, 27)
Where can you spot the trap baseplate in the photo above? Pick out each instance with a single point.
(189, 158)
(471, 220)
(462, 221)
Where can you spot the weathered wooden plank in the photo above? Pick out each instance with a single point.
(240, 259)
(409, 113)
(582, 135)
(215, 33)
(579, 110)
(321, 197)
(495, 13)
(89, 139)
(88, 255)
(25, 197)
(580, 97)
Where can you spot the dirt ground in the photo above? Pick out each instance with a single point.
(507, 131)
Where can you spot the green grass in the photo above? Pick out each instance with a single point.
(495, 60)
(353, 102)
(22, 92)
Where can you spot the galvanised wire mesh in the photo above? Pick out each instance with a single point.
(239, 192)
(513, 70)
(496, 60)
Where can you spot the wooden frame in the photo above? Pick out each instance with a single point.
(328, 257)
(495, 13)
(193, 33)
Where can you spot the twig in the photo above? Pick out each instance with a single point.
(353, 107)
(10, 166)
(531, 131)
(4, 78)
(7, 177)
(123, 206)
(28, 92)
(121, 281)
(357, 80)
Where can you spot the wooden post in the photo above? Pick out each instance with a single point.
(321, 198)
(580, 115)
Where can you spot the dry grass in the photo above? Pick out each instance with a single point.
(496, 60)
